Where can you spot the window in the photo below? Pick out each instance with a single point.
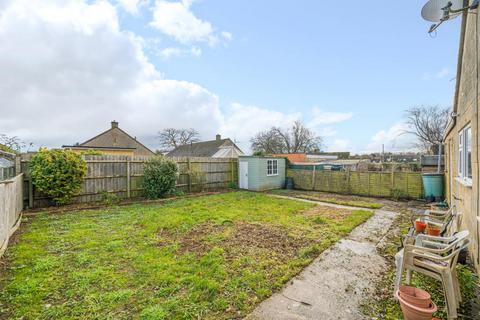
(465, 154)
(272, 167)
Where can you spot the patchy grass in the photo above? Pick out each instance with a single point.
(345, 200)
(213, 257)
(384, 306)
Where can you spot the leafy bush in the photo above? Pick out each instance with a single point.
(109, 198)
(160, 175)
(58, 173)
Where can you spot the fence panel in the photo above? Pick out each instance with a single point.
(376, 184)
(123, 176)
(11, 205)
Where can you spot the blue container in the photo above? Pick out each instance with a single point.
(289, 183)
(433, 186)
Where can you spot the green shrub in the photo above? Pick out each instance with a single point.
(109, 198)
(58, 173)
(160, 175)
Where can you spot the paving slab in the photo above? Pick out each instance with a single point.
(335, 283)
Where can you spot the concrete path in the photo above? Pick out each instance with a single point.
(333, 286)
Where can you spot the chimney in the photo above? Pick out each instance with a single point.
(219, 137)
(114, 124)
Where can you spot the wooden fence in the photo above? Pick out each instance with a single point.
(11, 205)
(7, 173)
(123, 175)
(376, 184)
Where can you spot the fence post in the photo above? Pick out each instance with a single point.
(408, 191)
(392, 180)
(313, 177)
(232, 173)
(30, 193)
(368, 177)
(129, 187)
(349, 187)
(189, 175)
(18, 164)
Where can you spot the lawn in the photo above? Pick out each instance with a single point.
(345, 200)
(211, 257)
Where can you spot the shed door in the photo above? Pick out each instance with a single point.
(243, 175)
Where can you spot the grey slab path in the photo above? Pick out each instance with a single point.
(335, 283)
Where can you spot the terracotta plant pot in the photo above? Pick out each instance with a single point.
(415, 296)
(433, 231)
(411, 312)
(420, 226)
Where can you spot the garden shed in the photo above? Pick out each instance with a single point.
(261, 173)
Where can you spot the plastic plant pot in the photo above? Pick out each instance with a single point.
(433, 231)
(420, 226)
(412, 312)
(415, 296)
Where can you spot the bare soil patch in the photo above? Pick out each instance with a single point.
(241, 237)
(328, 212)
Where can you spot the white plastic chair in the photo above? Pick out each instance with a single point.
(435, 257)
(442, 219)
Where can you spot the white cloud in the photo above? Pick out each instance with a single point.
(439, 75)
(320, 117)
(58, 85)
(242, 122)
(227, 35)
(175, 19)
(327, 132)
(340, 145)
(131, 6)
(68, 70)
(394, 139)
(442, 74)
(170, 52)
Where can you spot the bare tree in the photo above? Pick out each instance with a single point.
(297, 139)
(171, 138)
(267, 142)
(11, 143)
(428, 124)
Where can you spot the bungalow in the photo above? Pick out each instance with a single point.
(114, 141)
(461, 138)
(218, 148)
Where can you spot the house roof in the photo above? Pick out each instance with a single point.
(293, 157)
(114, 138)
(202, 149)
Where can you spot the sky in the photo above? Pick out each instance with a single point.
(347, 70)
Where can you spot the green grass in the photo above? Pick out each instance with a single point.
(345, 200)
(212, 257)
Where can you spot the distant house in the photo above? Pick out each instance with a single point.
(114, 141)
(304, 157)
(218, 148)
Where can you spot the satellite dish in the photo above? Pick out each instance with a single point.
(441, 10)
